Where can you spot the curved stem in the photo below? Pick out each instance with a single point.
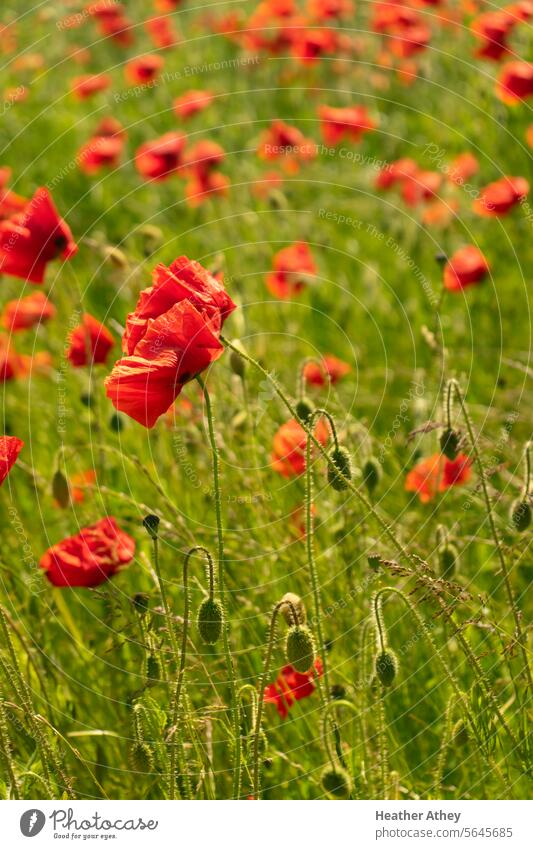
(378, 616)
(321, 412)
(527, 459)
(301, 375)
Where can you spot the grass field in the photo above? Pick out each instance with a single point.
(98, 697)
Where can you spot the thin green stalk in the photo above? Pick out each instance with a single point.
(5, 749)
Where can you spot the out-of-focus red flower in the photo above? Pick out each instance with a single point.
(10, 203)
(439, 213)
(79, 483)
(408, 41)
(34, 237)
(289, 447)
(515, 82)
(170, 338)
(287, 144)
(292, 266)
(167, 5)
(330, 370)
(24, 313)
(396, 172)
(192, 102)
(89, 343)
(203, 157)
(89, 558)
(329, 10)
(100, 152)
(291, 686)
(10, 447)
(500, 197)
(89, 84)
(309, 45)
(112, 21)
(109, 126)
(267, 183)
(11, 363)
(436, 474)
(159, 159)
(348, 123)
(493, 28)
(463, 168)
(143, 69)
(200, 186)
(465, 268)
(421, 187)
(161, 32)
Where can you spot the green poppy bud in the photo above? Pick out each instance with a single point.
(209, 620)
(115, 256)
(386, 667)
(343, 464)
(152, 238)
(153, 670)
(336, 782)
(300, 648)
(141, 602)
(237, 364)
(61, 489)
(304, 409)
(374, 561)
(151, 524)
(449, 443)
(372, 473)
(448, 560)
(521, 515)
(117, 422)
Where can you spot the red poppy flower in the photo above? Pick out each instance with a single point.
(281, 141)
(100, 152)
(10, 203)
(291, 686)
(291, 267)
(345, 123)
(493, 28)
(309, 45)
(10, 447)
(515, 82)
(192, 102)
(27, 312)
(112, 21)
(436, 474)
(34, 237)
(421, 187)
(439, 213)
(200, 187)
(89, 343)
(110, 126)
(270, 181)
(90, 557)
(203, 157)
(290, 444)
(143, 69)
(79, 483)
(157, 160)
(12, 364)
(161, 32)
(330, 370)
(329, 10)
(89, 84)
(498, 198)
(463, 168)
(171, 337)
(465, 268)
(396, 172)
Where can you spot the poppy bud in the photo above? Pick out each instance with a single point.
(338, 691)
(209, 621)
(374, 561)
(151, 524)
(304, 409)
(152, 238)
(141, 757)
(117, 422)
(449, 443)
(85, 399)
(441, 258)
(60, 489)
(141, 602)
(336, 782)
(300, 648)
(293, 601)
(386, 667)
(521, 515)
(343, 463)
(115, 256)
(152, 668)
(237, 364)
(372, 473)
(448, 559)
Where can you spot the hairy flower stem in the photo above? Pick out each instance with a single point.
(222, 593)
(453, 385)
(436, 790)
(166, 607)
(329, 719)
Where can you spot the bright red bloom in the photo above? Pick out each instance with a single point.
(466, 267)
(27, 312)
(436, 474)
(291, 266)
(192, 102)
(498, 198)
(171, 337)
(348, 123)
(330, 370)
(290, 444)
(34, 237)
(89, 84)
(291, 686)
(90, 342)
(10, 447)
(515, 82)
(10, 203)
(90, 557)
(100, 152)
(159, 159)
(143, 69)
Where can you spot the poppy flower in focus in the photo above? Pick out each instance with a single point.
(286, 143)
(170, 338)
(329, 370)
(291, 686)
(100, 152)
(462, 168)
(192, 102)
(159, 159)
(89, 343)
(437, 474)
(89, 558)
(10, 447)
(289, 447)
(350, 123)
(10, 203)
(89, 84)
(143, 69)
(500, 197)
(292, 265)
(34, 237)
(515, 82)
(27, 312)
(465, 268)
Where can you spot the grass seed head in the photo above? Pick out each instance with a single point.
(141, 757)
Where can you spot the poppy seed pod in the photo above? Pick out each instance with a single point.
(141, 602)
(209, 620)
(300, 648)
(336, 782)
(152, 238)
(521, 515)
(151, 524)
(448, 559)
(117, 422)
(60, 489)
(304, 409)
(115, 256)
(386, 667)
(372, 473)
(293, 601)
(237, 364)
(343, 463)
(153, 670)
(141, 757)
(449, 443)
